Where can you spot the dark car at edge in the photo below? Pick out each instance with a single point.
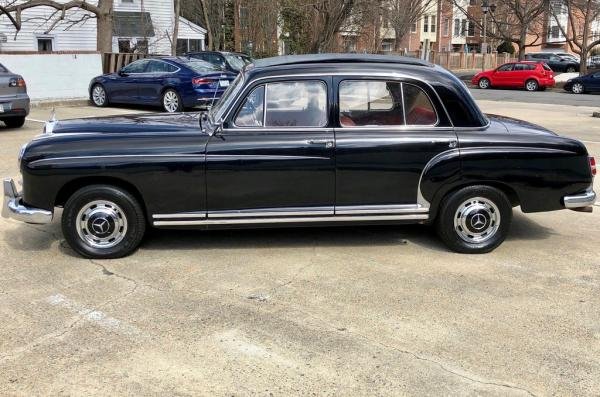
(303, 141)
(14, 101)
(589, 83)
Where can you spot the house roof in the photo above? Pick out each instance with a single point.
(132, 24)
(190, 30)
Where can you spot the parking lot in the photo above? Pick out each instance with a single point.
(327, 311)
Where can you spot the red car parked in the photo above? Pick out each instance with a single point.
(532, 76)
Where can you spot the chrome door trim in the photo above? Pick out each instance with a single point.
(250, 221)
(272, 212)
(381, 209)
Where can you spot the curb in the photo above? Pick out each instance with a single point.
(42, 104)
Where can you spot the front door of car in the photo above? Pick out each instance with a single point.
(389, 131)
(274, 156)
(503, 75)
(122, 87)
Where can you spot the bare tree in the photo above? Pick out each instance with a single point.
(102, 12)
(581, 15)
(402, 14)
(516, 21)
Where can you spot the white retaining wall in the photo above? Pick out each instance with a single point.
(55, 76)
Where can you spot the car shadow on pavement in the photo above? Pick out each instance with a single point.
(41, 238)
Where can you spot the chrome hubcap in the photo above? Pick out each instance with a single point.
(477, 220)
(531, 86)
(99, 95)
(578, 88)
(101, 224)
(484, 83)
(171, 102)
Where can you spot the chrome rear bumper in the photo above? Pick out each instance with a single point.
(582, 200)
(13, 207)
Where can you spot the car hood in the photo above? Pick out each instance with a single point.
(517, 126)
(156, 122)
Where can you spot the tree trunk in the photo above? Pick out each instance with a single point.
(177, 12)
(209, 32)
(237, 33)
(105, 26)
(522, 43)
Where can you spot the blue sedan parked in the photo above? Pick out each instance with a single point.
(588, 83)
(172, 82)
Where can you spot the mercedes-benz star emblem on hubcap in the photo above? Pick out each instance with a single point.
(100, 226)
(478, 221)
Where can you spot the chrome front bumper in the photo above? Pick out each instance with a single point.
(13, 207)
(582, 200)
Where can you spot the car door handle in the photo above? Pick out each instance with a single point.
(328, 144)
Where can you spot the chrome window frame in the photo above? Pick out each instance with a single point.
(239, 104)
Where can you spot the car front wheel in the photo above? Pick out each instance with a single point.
(578, 88)
(571, 69)
(171, 101)
(532, 85)
(484, 83)
(103, 222)
(474, 219)
(99, 97)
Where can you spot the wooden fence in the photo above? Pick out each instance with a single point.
(112, 62)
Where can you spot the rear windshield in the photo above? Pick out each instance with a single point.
(201, 67)
(237, 62)
(546, 67)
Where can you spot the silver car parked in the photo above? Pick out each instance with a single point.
(14, 101)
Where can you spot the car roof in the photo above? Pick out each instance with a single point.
(217, 52)
(337, 58)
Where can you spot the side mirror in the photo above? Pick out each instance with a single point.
(122, 73)
(217, 129)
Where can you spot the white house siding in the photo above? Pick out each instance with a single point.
(81, 37)
(161, 12)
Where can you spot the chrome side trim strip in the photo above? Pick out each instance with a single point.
(272, 212)
(381, 209)
(358, 218)
(181, 215)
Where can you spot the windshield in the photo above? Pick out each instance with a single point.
(237, 62)
(201, 67)
(217, 112)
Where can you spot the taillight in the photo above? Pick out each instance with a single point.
(18, 82)
(201, 81)
(593, 166)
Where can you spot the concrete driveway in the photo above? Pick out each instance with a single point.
(326, 311)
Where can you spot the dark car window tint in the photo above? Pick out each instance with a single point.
(597, 75)
(136, 67)
(296, 104)
(524, 66)
(370, 103)
(201, 67)
(419, 109)
(546, 67)
(160, 67)
(505, 68)
(252, 112)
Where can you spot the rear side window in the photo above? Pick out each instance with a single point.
(384, 103)
(524, 66)
(285, 104)
(546, 67)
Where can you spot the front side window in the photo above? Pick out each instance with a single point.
(296, 104)
(505, 68)
(289, 104)
(381, 103)
(136, 67)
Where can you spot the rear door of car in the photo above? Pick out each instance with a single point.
(151, 82)
(388, 131)
(274, 158)
(521, 72)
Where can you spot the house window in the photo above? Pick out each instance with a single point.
(413, 27)
(125, 46)
(386, 47)
(457, 27)
(44, 44)
(446, 27)
(188, 45)
(425, 23)
(471, 29)
(432, 28)
(141, 46)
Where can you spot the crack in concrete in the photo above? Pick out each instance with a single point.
(108, 272)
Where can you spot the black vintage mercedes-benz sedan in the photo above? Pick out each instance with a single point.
(297, 141)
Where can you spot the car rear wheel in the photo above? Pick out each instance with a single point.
(531, 85)
(99, 97)
(172, 101)
(484, 83)
(103, 222)
(578, 88)
(474, 219)
(14, 122)
(571, 69)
